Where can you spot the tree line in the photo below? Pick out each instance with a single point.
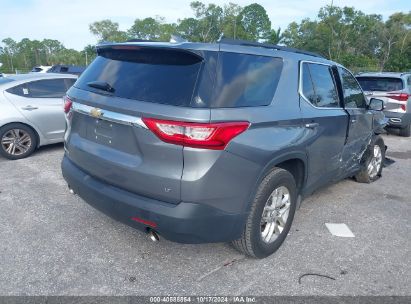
(357, 40)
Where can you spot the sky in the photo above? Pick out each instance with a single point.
(68, 20)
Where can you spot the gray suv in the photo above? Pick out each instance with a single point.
(215, 142)
(395, 90)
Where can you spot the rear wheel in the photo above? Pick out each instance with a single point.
(17, 141)
(406, 132)
(271, 215)
(374, 161)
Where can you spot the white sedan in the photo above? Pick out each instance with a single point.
(31, 113)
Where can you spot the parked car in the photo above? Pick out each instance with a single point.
(67, 69)
(40, 69)
(395, 90)
(215, 142)
(31, 112)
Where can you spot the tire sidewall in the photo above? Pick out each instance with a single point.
(376, 141)
(283, 178)
(32, 134)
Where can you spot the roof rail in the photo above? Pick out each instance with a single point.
(267, 46)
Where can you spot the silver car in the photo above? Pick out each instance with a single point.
(395, 91)
(31, 113)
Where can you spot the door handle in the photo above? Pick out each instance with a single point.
(312, 125)
(29, 108)
(353, 120)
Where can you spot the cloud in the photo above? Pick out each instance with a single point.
(68, 20)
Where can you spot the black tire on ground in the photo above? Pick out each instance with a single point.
(19, 126)
(251, 242)
(406, 132)
(363, 176)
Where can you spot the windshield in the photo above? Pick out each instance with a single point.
(381, 84)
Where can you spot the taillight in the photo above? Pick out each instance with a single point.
(398, 96)
(67, 104)
(214, 136)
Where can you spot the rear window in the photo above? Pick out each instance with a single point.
(181, 78)
(151, 75)
(382, 84)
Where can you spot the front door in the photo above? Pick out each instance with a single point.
(360, 120)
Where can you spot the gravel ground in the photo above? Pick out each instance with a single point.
(52, 243)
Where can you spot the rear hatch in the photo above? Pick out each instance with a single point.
(389, 89)
(106, 136)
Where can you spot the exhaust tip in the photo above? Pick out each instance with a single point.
(153, 236)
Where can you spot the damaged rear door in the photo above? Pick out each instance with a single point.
(360, 128)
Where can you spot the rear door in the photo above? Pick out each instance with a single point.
(360, 119)
(325, 121)
(40, 101)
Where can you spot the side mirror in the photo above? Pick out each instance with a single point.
(376, 104)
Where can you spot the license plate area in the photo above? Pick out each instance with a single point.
(117, 136)
(101, 131)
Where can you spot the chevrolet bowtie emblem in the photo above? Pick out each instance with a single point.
(96, 113)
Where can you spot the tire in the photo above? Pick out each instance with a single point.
(19, 136)
(366, 175)
(251, 243)
(405, 132)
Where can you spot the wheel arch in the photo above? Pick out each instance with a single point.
(294, 162)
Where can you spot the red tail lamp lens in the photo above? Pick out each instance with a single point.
(214, 136)
(67, 104)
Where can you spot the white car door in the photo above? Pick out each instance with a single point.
(40, 101)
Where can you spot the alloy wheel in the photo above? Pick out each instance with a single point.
(375, 164)
(16, 142)
(275, 214)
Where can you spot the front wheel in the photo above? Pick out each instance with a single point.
(374, 162)
(271, 215)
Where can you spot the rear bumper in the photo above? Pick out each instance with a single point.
(183, 223)
(398, 120)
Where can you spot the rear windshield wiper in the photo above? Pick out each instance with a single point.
(101, 85)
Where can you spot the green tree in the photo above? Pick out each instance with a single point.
(9, 50)
(188, 28)
(152, 29)
(147, 28)
(107, 30)
(255, 24)
(274, 36)
(209, 21)
(231, 22)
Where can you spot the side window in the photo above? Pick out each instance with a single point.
(48, 88)
(409, 81)
(318, 85)
(353, 95)
(20, 90)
